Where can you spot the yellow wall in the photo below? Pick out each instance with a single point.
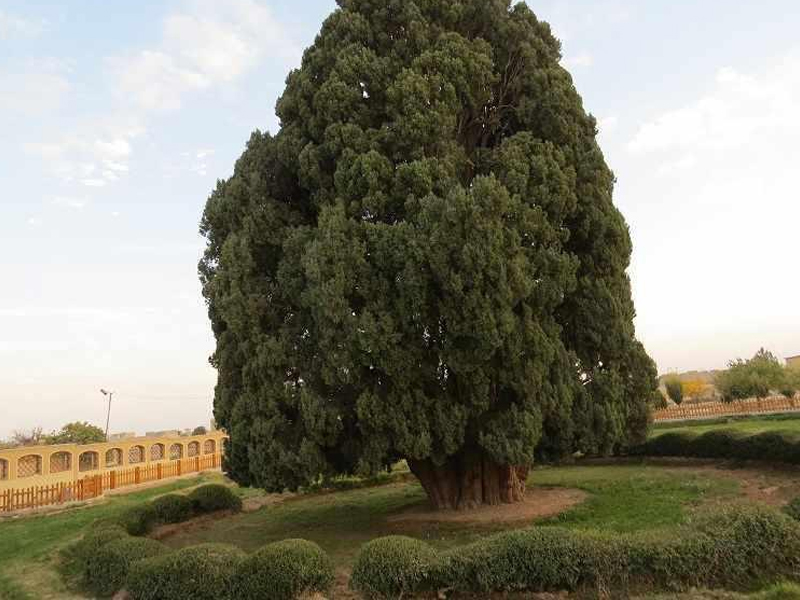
(793, 362)
(10, 470)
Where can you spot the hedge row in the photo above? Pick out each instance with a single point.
(767, 446)
(734, 548)
(176, 508)
(279, 571)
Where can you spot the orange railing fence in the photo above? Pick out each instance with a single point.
(712, 410)
(94, 486)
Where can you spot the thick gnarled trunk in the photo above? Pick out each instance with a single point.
(468, 481)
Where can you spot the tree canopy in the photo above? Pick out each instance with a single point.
(77, 433)
(757, 377)
(425, 262)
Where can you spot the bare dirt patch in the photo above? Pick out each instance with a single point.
(539, 503)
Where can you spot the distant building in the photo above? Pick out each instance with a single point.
(125, 435)
(793, 362)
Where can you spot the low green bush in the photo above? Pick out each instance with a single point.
(107, 570)
(94, 538)
(213, 497)
(283, 571)
(173, 508)
(203, 572)
(793, 509)
(391, 567)
(139, 519)
(768, 446)
(734, 548)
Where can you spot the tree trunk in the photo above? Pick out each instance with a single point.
(468, 481)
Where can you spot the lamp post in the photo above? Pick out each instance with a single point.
(108, 415)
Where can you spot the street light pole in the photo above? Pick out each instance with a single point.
(108, 414)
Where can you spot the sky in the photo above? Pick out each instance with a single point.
(116, 120)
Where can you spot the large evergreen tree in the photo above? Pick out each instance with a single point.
(424, 262)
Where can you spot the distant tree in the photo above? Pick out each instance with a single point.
(199, 430)
(791, 382)
(674, 388)
(753, 378)
(33, 437)
(77, 433)
(694, 388)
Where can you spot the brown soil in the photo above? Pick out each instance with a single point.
(538, 503)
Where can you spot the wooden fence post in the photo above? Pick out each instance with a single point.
(158, 471)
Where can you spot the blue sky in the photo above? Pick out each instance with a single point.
(117, 119)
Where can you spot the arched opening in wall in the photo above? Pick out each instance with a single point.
(157, 452)
(88, 461)
(176, 451)
(193, 449)
(3, 469)
(29, 466)
(136, 455)
(60, 462)
(209, 447)
(114, 457)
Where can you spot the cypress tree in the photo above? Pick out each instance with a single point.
(424, 263)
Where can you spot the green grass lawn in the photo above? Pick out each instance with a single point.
(789, 423)
(621, 498)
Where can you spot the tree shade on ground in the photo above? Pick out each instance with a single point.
(425, 262)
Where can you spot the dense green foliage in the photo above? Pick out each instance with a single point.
(203, 572)
(213, 497)
(173, 508)
(107, 570)
(139, 519)
(734, 548)
(793, 509)
(283, 571)
(757, 377)
(425, 261)
(674, 389)
(76, 433)
(769, 446)
(392, 567)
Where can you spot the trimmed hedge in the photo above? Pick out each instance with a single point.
(139, 519)
(173, 508)
(107, 570)
(391, 567)
(767, 446)
(283, 571)
(203, 572)
(95, 538)
(735, 548)
(213, 497)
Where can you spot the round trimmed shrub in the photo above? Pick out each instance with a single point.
(716, 444)
(173, 508)
(393, 566)
(213, 497)
(139, 519)
(793, 509)
(669, 444)
(203, 572)
(95, 538)
(284, 570)
(107, 570)
(768, 446)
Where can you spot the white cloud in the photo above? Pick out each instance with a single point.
(578, 61)
(13, 26)
(739, 110)
(608, 124)
(215, 44)
(90, 162)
